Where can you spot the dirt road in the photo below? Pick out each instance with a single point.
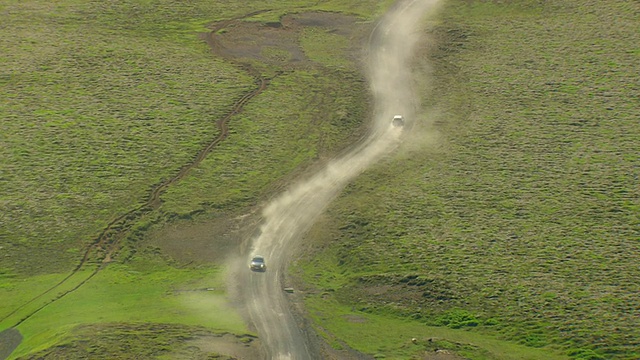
(291, 214)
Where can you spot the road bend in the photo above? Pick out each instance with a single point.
(292, 213)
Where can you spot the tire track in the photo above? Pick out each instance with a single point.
(106, 244)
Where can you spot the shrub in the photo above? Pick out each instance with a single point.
(584, 354)
(457, 319)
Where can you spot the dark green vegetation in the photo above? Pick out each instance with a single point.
(105, 104)
(523, 221)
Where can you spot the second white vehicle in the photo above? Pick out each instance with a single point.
(398, 121)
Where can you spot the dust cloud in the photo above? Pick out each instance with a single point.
(391, 81)
(390, 49)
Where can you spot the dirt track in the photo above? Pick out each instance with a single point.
(289, 216)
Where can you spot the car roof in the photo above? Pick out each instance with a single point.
(258, 257)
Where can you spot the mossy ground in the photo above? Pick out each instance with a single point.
(521, 221)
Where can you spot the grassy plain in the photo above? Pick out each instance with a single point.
(104, 101)
(515, 237)
(139, 292)
(522, 222)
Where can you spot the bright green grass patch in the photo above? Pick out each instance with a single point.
(15, 292)
(139, 292)
(20, 295)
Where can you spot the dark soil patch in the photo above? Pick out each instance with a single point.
(9, 341)
(278, 43)
(243, 40)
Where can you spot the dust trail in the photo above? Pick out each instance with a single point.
(391, 46)
(286, 219)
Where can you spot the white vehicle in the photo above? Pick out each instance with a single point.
(397, 121)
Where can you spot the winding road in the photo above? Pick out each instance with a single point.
(291, 214)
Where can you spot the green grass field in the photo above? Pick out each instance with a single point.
(522, 222)
(140, 292)
(104, 101)
(513, 236)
